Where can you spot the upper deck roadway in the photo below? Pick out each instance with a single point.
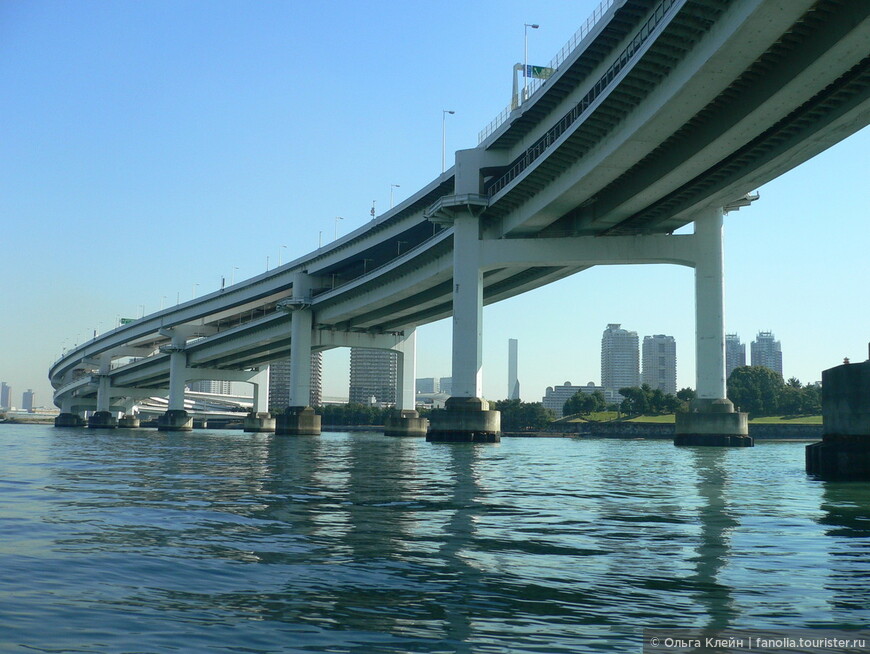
(663, 107)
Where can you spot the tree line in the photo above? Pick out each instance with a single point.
(755, 389)
(762, 392)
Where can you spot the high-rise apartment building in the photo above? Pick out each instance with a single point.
(620, 363)
(513, 381)
(5, 396)
(279, 382)
(27, 400)
(373, 374)
(765, 351)
(211, 386)
(660, 363)
(735, 353)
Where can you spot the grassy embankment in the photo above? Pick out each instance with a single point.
(607, 416)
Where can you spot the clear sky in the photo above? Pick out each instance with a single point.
(151, 148)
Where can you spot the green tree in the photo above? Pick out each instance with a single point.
(523, 416)
(686, 394)
(756, 389)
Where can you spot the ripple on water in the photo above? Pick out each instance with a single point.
(221, 541)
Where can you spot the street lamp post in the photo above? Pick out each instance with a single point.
(283, 247)
(534, 26)
(392, 186)
(337, 218)
(444, 113)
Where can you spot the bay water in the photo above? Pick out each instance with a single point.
(221, 541)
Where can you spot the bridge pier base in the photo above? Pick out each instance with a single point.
(465, 420)
(69, 420)
(128, 422)
(713, 423)
(256, 423)
(175, 420)
(102, 420)
(844, 451)
(405, 423)
(298, 421)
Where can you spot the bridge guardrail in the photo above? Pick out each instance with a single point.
(555, 62)
(581, 108)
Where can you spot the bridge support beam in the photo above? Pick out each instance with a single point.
(102, 418)
(299, 419)
(711, 419)
(260, 420)
(467, 417)
(176, 418)
(404, 420)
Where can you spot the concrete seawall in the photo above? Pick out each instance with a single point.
(665, 431)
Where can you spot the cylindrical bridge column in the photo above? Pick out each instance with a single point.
(176, 418)
(709, 306)
(711, 419)
(299, 418)
(467, 417)
(467, 308)
(300, 343)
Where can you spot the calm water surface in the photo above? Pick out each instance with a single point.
(219, 541)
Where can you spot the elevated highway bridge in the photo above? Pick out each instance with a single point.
(658, 114)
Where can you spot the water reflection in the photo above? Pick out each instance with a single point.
(846, 507)
(361, 543)
(714, 548)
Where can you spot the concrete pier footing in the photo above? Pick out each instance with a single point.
(712, 423)
(465, 420)
(259, 423)
(298, 421)
(844, 451)
(128, 422)
(175, 420)
(102, 420)
(405, 423)
(69, 420)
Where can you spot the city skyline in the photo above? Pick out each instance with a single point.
(197, 155)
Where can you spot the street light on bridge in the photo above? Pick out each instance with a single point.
(444, 113)
(534, 26)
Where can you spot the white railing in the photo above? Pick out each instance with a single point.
(535, 83)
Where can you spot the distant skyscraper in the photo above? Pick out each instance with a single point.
(446, 385)
(211, 386)
(660, 363)
(5, 396)
(27, 400)
(373, 374)
(620, 364)
(425, 385)
(735, 353)
(279, 382)
(767, 352)
(513, 382)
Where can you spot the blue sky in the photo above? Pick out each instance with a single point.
(149, 149)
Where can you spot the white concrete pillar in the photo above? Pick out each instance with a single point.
(407, 372)
(177, 372)
(300, 343)
(103, 399)
(709, 306)
(467, 308)
(260, 382)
